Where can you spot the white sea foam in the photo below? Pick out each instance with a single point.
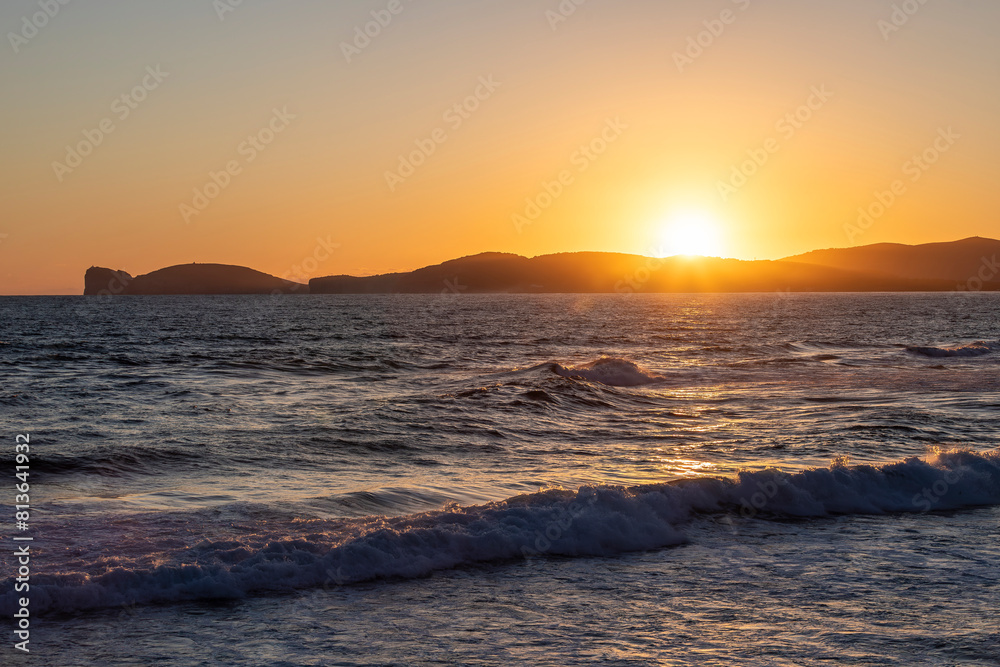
(611, 371)
(977, 349)
(593, 521)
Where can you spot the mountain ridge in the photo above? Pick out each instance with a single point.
(966, 264)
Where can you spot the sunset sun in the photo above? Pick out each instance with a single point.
(692, 232)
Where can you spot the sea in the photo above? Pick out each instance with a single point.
(457, 479)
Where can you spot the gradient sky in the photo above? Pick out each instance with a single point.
(324, 174)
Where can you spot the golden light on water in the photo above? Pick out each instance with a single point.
(687, 467)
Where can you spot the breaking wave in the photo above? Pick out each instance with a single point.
(610, 371)
(977, 349)
(593, 521)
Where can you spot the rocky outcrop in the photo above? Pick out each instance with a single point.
(190, 279)
(105, 282)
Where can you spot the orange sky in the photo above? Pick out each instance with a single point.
(667, 121)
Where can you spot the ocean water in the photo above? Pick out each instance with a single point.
(761, 479)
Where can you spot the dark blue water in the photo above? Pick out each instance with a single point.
(744, 479)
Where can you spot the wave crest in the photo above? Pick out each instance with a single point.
(593, 521)
(977, 349)
(610, 371)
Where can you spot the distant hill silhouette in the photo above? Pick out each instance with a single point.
(877, 268)
(957, 261)
(884, 267)
(189, 279)
(585, 272)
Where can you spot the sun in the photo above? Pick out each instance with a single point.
(692, 233)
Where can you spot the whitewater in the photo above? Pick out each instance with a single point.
(509, 479)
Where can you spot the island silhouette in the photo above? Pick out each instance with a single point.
(969, 264)
(189, 279)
